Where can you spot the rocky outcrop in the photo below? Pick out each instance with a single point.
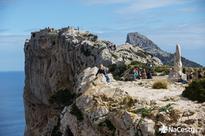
(149, 46)
(127, 53)
(53, 60)
(112, 110)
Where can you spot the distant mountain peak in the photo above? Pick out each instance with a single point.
(141, 41)
(149, 46)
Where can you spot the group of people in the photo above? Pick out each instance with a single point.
(191, 75)
(139, 73)
(186, 76)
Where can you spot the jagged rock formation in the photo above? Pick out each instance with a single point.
(167, 58)
(53, 60)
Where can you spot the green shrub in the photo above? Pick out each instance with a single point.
(145, 111)
(195, 91)
(160, 85)
(162, 69)
(62, 98)
(117, 70)
(77, 112)
(137, 64)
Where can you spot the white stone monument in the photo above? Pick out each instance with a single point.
(177, 60)
(176, 73)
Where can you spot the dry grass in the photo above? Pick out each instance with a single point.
(161, 84)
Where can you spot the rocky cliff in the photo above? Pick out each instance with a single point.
(53, 61)
(167, 58)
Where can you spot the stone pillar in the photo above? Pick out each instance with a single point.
(176, 72)
(177, 61)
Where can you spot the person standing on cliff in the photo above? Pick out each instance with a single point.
(103, 70)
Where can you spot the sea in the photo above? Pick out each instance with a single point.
(12, 122)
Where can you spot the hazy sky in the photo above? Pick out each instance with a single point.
(166, 22)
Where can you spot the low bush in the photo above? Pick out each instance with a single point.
(195, 91)
(137, 64)
(76, 112)
(145, 111)
(160, 84)
(62, 98)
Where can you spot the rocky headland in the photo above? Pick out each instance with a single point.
(63, 96)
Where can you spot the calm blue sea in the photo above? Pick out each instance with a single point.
(11, 104)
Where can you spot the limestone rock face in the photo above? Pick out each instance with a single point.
(53, 60)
